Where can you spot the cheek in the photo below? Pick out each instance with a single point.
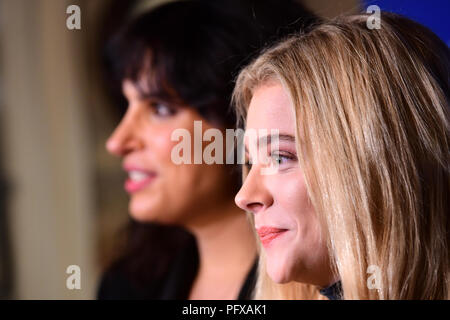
(183, 186)
(159, 138)
(161, 144)
(290, 194)
(305, 246)
(300, 209)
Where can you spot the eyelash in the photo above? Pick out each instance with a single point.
(286, 155)
(156, 107)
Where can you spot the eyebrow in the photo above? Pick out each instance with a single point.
(161, 96)
(267, 139)
(156, 95)
(153, 93)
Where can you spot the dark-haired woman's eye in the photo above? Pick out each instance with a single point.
(163, 110)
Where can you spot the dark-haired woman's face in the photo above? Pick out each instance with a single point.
(160, 190)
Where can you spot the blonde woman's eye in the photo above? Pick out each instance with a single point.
(280, 159)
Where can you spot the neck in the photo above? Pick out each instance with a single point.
(227, 250)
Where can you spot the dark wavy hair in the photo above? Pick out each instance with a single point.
(191, 51)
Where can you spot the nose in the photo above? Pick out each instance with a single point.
(124, 139)
(253, 195)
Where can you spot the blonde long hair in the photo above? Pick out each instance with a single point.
(372, 119)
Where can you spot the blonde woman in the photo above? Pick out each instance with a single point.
(358, 207)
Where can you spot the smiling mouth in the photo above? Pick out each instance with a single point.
(268, 234)
(138, 180)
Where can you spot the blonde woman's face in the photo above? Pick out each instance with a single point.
(284, 218)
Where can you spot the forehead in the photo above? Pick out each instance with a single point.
(270, 108)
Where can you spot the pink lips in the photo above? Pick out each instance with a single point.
(267, 234)
(134, 186)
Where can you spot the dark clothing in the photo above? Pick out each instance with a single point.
(333, 292)
(117, 284)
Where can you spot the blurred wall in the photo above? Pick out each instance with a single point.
(47, 146)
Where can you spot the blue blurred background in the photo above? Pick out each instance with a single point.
(433, 13)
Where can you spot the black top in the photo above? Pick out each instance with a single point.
(117, 284)
(333, 292)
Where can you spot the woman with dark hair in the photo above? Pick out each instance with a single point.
(176, 65)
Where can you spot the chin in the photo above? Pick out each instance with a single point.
(279, 278)
(149, 213)
(278, 273)
(142, 212)
(141, 216)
